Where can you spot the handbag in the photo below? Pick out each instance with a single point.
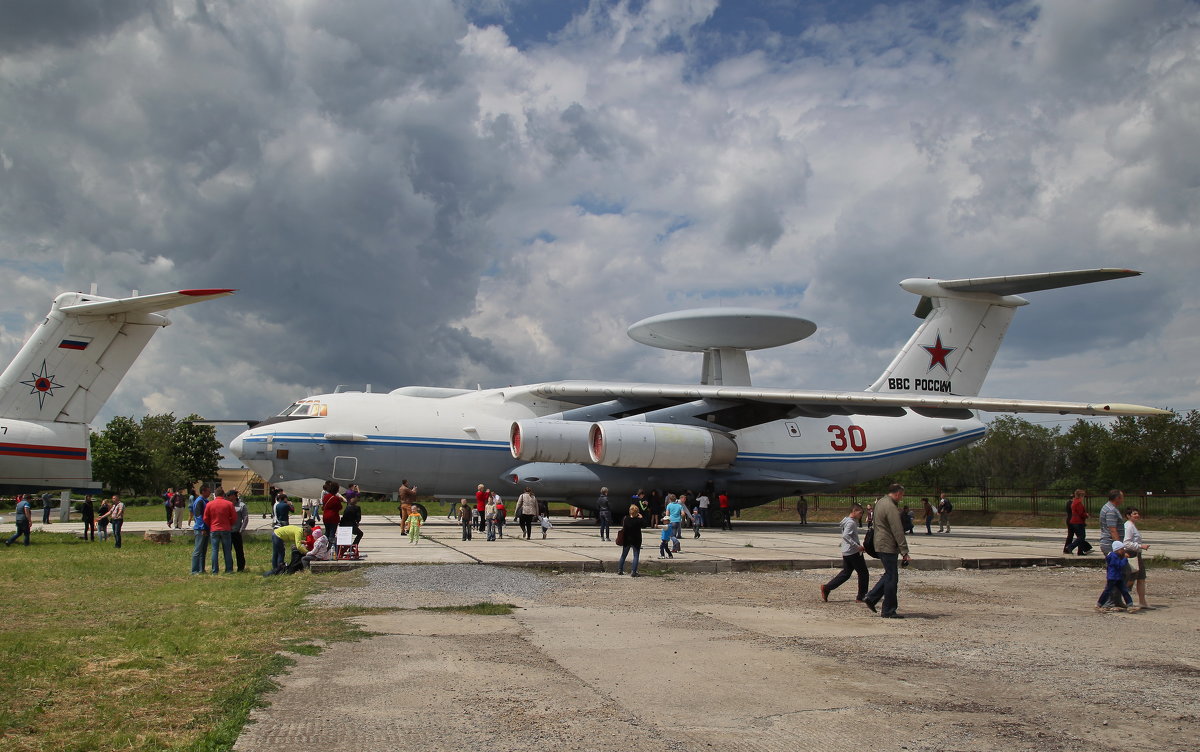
(869, 544)
(621, 537)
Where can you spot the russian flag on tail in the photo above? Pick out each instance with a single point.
(75, 343)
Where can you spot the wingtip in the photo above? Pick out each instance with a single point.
(205, 293)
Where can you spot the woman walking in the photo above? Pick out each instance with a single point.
(631, 538)
(1134, 545)
(527, 511)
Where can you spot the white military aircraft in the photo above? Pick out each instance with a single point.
(63, 375)
(566, 439)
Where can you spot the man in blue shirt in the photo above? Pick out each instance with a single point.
(23, 520)
(199, 530)
(675, 514)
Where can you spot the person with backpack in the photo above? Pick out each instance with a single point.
(944, 509)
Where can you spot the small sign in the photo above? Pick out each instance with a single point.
(345, 536)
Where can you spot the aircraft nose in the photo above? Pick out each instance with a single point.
(236, 446)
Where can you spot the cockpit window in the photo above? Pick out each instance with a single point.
(306, 408)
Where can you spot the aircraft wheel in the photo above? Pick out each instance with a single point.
(420, 508)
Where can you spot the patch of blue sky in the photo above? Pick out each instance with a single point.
(590, 203)
(676, 224)
(45, 269)
(528, 23)
(543, 236)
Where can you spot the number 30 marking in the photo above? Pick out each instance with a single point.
(857, 439)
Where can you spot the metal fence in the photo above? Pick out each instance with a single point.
(1019, 501)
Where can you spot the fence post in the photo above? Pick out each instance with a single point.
(1035, 500)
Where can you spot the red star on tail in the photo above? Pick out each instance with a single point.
(937, 354)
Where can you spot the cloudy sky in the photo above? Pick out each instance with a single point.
(489, 191)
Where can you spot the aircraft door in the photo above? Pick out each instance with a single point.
(345, 468)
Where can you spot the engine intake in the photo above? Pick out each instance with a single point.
(549, 440)
(658, 445)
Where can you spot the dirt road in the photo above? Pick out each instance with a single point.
(985, 660)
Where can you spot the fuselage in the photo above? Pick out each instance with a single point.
(447, 445)
(43, 454)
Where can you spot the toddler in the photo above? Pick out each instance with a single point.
(1116, 566)
(414, 527)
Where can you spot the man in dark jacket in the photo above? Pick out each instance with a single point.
(890, 544)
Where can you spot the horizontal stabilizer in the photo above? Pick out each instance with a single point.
(1022, 283)
(162, 301)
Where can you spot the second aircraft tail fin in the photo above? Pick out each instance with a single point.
(964, 322)
(74, 360)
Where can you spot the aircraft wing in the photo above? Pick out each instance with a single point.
(144, 303)
(822, 402)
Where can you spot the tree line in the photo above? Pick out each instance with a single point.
(1159, 453)
(147, 457)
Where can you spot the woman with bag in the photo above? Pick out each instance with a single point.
(1134, 545)
(630, 537)
(526, 511)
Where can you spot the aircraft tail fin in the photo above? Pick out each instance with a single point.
(70, 365)
(963, 324)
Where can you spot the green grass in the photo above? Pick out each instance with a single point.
(485, 608)
(108, 649)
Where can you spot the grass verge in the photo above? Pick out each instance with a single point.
(108, 649)
(485, 608)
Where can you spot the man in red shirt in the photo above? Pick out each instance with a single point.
(331, 509)
(723, 503)
(481, 500)
(221, 517)
(1077, 528)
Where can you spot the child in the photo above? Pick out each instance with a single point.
(464, 518)
(1116, 578)
(665, 546)
(414, 527)
(489, 516)
(697, 519)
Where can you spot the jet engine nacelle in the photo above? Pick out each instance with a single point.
(549, 440)
(658, 445)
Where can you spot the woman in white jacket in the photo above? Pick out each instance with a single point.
(1133, 543)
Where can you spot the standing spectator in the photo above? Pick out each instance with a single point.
(116, 517)
(802, 509)
(651, 505)
(102, 520)
(306, 506)
(239, 527)
(604, 514)
(906, 519)
(526, 511)
(87, 511)
(23, 519)
(169, 504)
(199, 530)
(501, 513)
(179, 502)
(852, 557)
(281, 513)
(331, 508)
(631, 539)
(408, 497)
(723, 502)
(465, 514)
(928, 509)
(869, 515)
(702, 504)
(944, 509)
(489, 516)
(1077, 526)
(47, 499)
(1111, 521)
(1134, 548)
(889, 544)
(221, 518)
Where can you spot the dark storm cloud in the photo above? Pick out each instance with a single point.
(29, 23)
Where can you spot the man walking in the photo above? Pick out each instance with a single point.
(852, 557)
(723, 501)
(1112, 522)
(221, 518)
(890, 544)
(23, 519)
(46, 499)
(116, 518)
